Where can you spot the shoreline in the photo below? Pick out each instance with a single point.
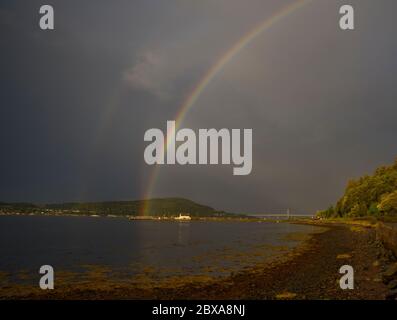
(309, 271)
(164, 218)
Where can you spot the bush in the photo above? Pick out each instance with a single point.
(388, 204)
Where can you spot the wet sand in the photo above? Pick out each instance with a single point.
(310, 271)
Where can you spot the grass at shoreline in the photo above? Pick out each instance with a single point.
(362, 221)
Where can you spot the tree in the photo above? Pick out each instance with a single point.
(358, 210)
(363, 196)
(388, 204)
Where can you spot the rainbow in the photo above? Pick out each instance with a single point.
(199, 88)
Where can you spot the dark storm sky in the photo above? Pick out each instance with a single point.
(75, 102)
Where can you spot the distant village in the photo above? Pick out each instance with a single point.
(79, 213)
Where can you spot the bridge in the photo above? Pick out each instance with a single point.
(281, 216)
(284, 215)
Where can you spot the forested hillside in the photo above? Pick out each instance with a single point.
(152, 207)
(370, 195)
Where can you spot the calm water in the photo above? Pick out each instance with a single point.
(70, 243)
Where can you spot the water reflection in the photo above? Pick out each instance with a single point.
(183, 233)
(68, 243)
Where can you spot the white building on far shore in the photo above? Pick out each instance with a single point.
(183, 217)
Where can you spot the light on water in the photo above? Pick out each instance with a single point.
(128, 248)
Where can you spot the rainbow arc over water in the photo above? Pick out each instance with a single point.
(208, 76)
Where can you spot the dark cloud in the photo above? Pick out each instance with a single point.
(75, 102)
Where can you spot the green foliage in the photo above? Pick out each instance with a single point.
(373, 210)
(329, 213)
(388, 204)
(372, 195)
(359, 210)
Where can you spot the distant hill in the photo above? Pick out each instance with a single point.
(370, 195)
(153, 207)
